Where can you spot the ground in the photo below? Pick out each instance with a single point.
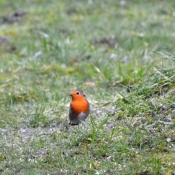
(120, 53)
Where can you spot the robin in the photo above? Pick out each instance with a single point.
(79, 107)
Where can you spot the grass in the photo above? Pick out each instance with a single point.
(121, 54)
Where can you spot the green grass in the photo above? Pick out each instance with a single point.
(121, 54)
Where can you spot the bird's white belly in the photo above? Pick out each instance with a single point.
(82, 116)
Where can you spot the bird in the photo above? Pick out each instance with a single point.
(79, 107)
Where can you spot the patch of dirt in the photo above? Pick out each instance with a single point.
(111, 41)
(4, 39)
(16, 17)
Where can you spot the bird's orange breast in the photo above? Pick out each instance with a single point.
(79, 106)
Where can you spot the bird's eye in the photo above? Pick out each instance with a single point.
(78, 93)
